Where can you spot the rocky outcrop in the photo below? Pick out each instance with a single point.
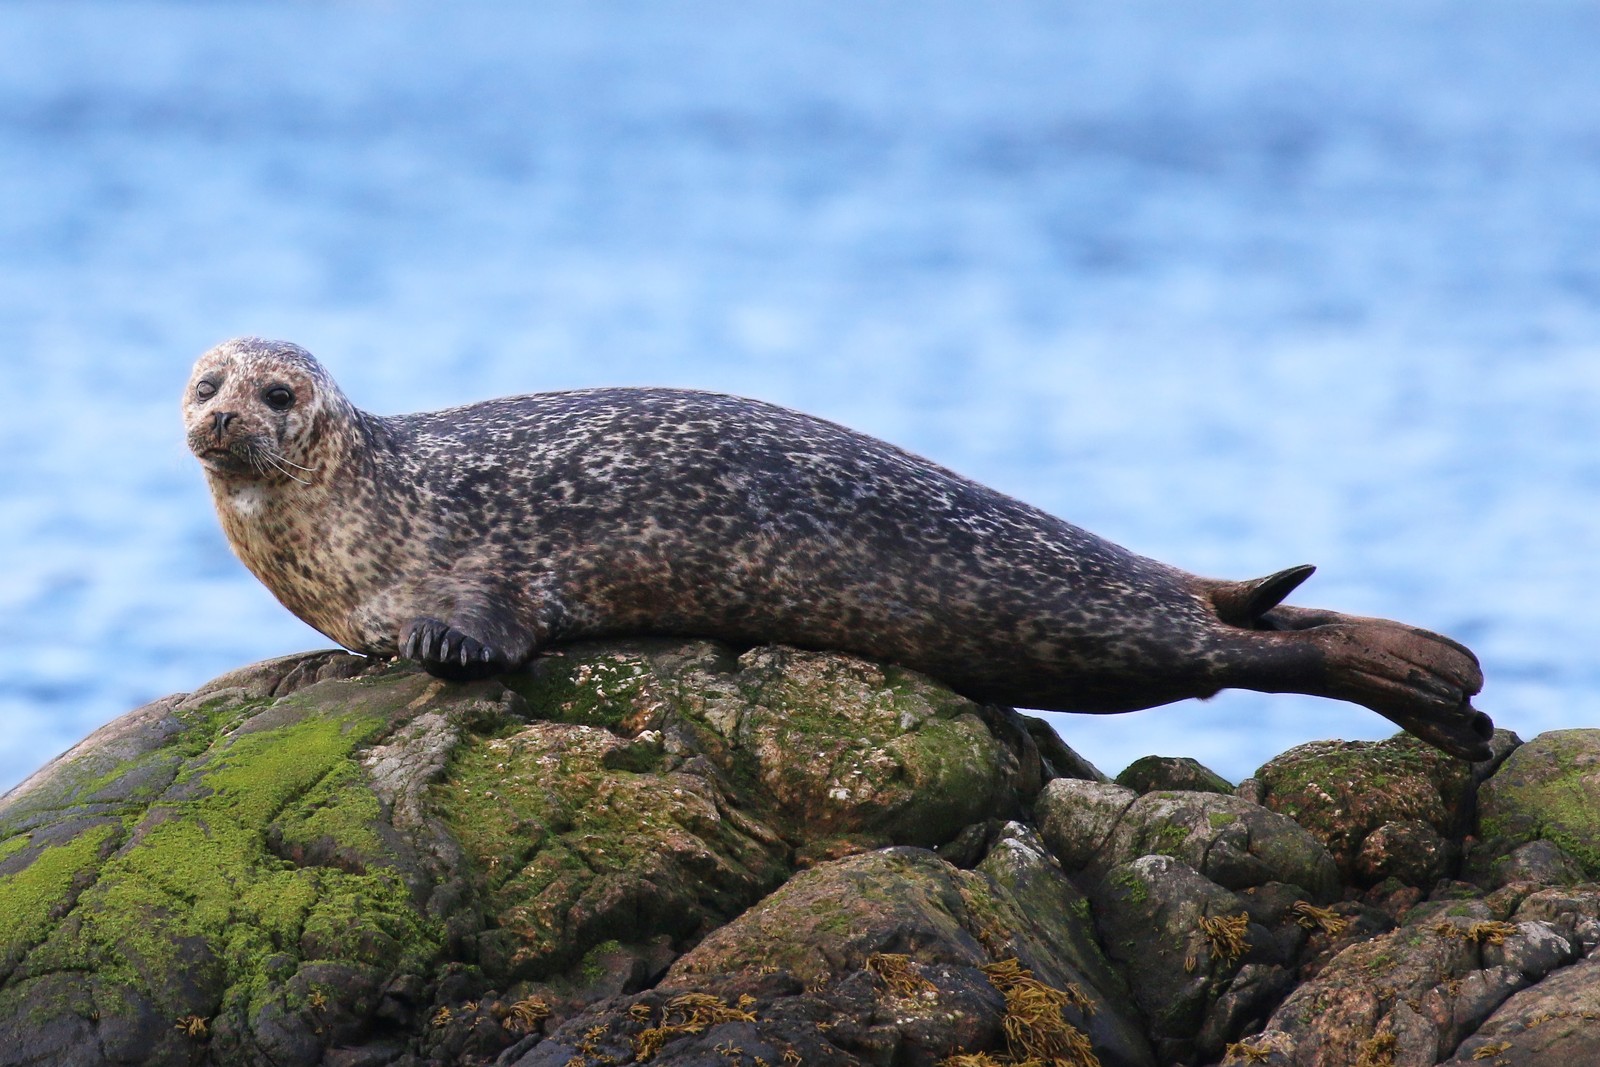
(1151, 773)
(1543, 808)
(667, 852)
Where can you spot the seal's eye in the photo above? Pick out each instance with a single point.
(279, 397)
(205, 390)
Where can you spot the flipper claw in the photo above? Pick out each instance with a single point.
(445, 652)
(1244, 603)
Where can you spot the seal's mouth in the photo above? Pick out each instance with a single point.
(222, 458)
(247, 458)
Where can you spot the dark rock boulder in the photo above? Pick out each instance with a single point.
(1182, 940)
(665, 852)
(1548, 1024)
(892, 956)
(1168, 874)
(323, 852)
(1410, 851)
(1345, 792)
(1547, 790)
(1094, 826)
(1150, 774)
(1410, 996)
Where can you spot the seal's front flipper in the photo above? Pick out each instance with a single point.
(1415, 678)
(469, 625)
(445, 652)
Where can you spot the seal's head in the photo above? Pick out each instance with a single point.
(256, 410)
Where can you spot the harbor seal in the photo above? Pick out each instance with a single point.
(471, 538)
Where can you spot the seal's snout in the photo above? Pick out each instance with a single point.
(220, 420)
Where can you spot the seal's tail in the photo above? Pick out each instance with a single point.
(1420, 680)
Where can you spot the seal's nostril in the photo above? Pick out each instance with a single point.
(220, 420)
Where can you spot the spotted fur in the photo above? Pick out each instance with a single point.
(493, 530)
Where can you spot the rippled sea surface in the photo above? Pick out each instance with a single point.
(1238, 285)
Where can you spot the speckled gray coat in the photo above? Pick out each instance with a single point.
(472, 537)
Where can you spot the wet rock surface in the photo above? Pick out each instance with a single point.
(669, 852)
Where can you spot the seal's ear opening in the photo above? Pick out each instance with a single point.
(1243, 603)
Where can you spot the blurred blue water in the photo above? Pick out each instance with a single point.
(1239, 285)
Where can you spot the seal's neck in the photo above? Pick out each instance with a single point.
(313, 539)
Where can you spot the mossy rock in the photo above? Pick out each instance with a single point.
(830, 923)
(1182, 940)
(848, 747)
(328, 851)
(1411, 851)
(1150, 774)
(821, 745)
(1548, 789)
(161, 917)
(570, 853)
(1341, 791)
(1093, 827)
(1414, 994)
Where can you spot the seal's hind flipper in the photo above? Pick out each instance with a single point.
(1419, 680)
(1244, 603)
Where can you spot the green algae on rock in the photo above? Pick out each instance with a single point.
(825, 744)
(1548, 789)
(289, 859)
(193, 914)
(669, 852)
(1150, 774)
(1342, 791)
